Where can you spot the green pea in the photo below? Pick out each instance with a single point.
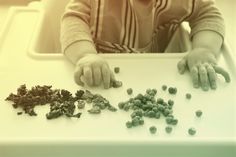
(174, 121)
(160, 101)
(151, 114)
(169, 120)
(145, 114)
(164, 87)
(137, 102)
(129, 91)
(133, 115)
(129, 124)
(172, 90)
(198, 113)
(148, 91)
(192, 131)
(153, 129)
(116, 69)
(168, 129)
(170, 102)
(164, 104)
(157, 115)
(135, 121)
(188, 96)
(127, 107)
(121, 105)
(167, 112)
(155, 109)
(161, 108)
(139, 113)
(154, 91)
(141, 122)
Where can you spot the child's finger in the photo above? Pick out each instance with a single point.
(203, 78)
(77, 76)
(88, 75)
(106, 76)
(112, 76)
(212, 76)
(194, 75)
(97, 76)
(224, 73)
(182, 66)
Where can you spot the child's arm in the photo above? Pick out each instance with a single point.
(207, 37)
(78, 47)
(75, 28)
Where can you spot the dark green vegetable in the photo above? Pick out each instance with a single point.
(153, 129)
(158, 115)
(169, 120)
(135, 121)
(174, 121)
(121, 105)
(129, 91)
(151, 114)
(164, 87)
(192, 131)
(172, 90)
(129, 124)
(188, 96)
(116, 69)
(168, 129)
(160, 101)
(141, 122)
(170, 102)
(198, 113)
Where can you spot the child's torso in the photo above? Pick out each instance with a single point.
(137, 24)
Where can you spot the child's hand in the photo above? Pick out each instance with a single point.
(95, 71)
(203, 67)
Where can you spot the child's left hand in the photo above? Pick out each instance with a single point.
(203, 68)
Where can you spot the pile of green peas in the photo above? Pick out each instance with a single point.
(147, 105)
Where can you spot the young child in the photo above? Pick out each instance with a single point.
(125, 26)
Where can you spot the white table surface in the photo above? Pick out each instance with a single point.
(215, 128)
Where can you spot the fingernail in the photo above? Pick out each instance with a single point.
(196, 86)
(205, 88)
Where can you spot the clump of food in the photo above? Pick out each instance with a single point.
(62, 102)
(147, 105)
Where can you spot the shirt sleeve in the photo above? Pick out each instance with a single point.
(75, 23)
(206, 16)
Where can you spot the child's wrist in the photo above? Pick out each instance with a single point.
(79, 49)
(206, 50)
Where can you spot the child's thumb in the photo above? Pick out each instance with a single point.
(182, 65)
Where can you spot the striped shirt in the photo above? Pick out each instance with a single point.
(135, 25)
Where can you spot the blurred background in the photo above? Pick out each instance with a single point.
(227, 8)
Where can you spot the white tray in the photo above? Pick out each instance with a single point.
(106, 134)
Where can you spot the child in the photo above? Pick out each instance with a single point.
(115, 26)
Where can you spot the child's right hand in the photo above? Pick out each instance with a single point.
(95, 71)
